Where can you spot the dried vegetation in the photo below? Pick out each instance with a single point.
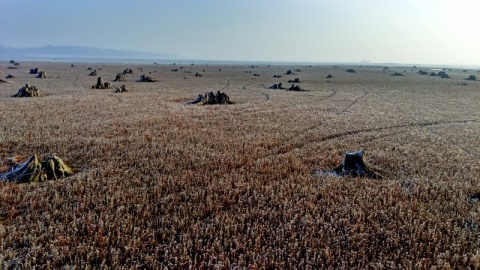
(165, 185)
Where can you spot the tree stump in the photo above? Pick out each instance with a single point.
(276, 86)
(101, 85)
(10, 76)
(127, 71)
(295, 88)
(471, 78)
(211, 98)
(144, 78)
(120, 78)
(296, 80)
(198, 74)
(27, 91)
(33, 170)
(93, 73)
(355, 165)
(122, 89)
(329, 76)
(42, 75)
(33, 70)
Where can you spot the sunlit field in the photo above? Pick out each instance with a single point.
(159, 183)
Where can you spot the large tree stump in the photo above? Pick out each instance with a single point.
(329, 76)
(33, 70)
(27, 91)
(93, 73)
(471, 78)
(101, 85)
(355, 165)
(211, 98)
(42, 75)
(32, 170)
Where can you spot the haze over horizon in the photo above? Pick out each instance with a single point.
(441, 32)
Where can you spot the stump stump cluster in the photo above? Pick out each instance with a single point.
(212, 98)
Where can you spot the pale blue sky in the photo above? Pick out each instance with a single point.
(388, 31)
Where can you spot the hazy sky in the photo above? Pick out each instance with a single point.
(382, 31)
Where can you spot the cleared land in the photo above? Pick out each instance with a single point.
(163, 184)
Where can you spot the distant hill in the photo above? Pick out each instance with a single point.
(77, 51)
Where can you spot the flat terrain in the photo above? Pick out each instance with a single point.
(164, 184)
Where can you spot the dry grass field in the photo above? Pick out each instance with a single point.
(161, 184)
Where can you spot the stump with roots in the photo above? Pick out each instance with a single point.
(93, 73)
(144, 78)
(42, 75)
(10, 76)
(33, 70)
(351, 70)
(329, 76)
(397, 74)
(211, 98)
(198, 74)
(120, 78)
(101, 85)
(355, 165)
(32, 170)
(122, 89)
(289, 72)
(277, 76)
(27, 91)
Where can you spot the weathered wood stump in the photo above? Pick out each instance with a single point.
(355, 165)
(120, 78)
(471, 78)
(93, 73)
(212, 98)
(198, 74)
(329, 76)
(351, 70)
(144, 78)
(397, 74)
(32, 170)
(42, 75)
(277, 76)
(27, 91)
(10, 76)
(101, 85)
(122, 89)
(33, 70)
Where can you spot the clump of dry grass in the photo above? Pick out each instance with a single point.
(161, 184)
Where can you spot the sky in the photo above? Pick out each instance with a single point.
(441, 32)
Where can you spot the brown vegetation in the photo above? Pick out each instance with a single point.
(159, 184)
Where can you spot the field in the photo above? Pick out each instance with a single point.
(162, 184)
